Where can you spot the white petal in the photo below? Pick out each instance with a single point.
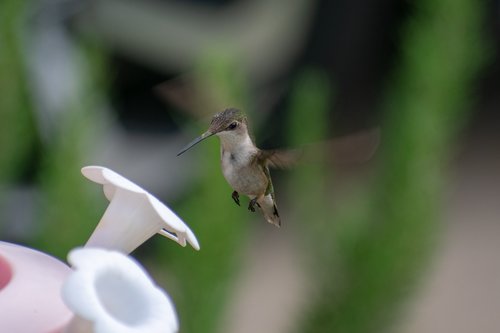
(94, 173)
(102, 175)
(114, 292)
(133, 215)
(120, 181)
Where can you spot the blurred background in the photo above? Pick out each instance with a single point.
(391, 219)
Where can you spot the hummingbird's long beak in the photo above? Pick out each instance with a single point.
(195, 141)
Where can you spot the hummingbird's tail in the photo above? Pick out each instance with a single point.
(267, 205)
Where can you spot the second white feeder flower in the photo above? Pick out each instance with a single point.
(133, 215)
(110, 292)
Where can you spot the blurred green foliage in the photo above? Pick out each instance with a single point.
(18, 136)
(425, 107)
(69, 208)
(221, 82)
(311, 91)
(67, 212)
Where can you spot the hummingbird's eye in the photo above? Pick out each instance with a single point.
(232, 126)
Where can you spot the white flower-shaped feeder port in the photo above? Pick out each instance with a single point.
(133, 215)
(110, 292)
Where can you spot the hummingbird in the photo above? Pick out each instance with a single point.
(244, 166)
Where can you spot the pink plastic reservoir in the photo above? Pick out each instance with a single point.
(30, 289)
(5, 272)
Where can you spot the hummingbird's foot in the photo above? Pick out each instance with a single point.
(236, 197)
(252, 203)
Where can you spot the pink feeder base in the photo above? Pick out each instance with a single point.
(30, 289)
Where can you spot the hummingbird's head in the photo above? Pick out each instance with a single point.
(230, 124)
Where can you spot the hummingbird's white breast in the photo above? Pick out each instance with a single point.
(238, 167)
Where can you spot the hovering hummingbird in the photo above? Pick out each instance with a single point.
(245, 167)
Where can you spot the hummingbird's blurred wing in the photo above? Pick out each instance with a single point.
(352, 149)
(349, 150)
(279, 159)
